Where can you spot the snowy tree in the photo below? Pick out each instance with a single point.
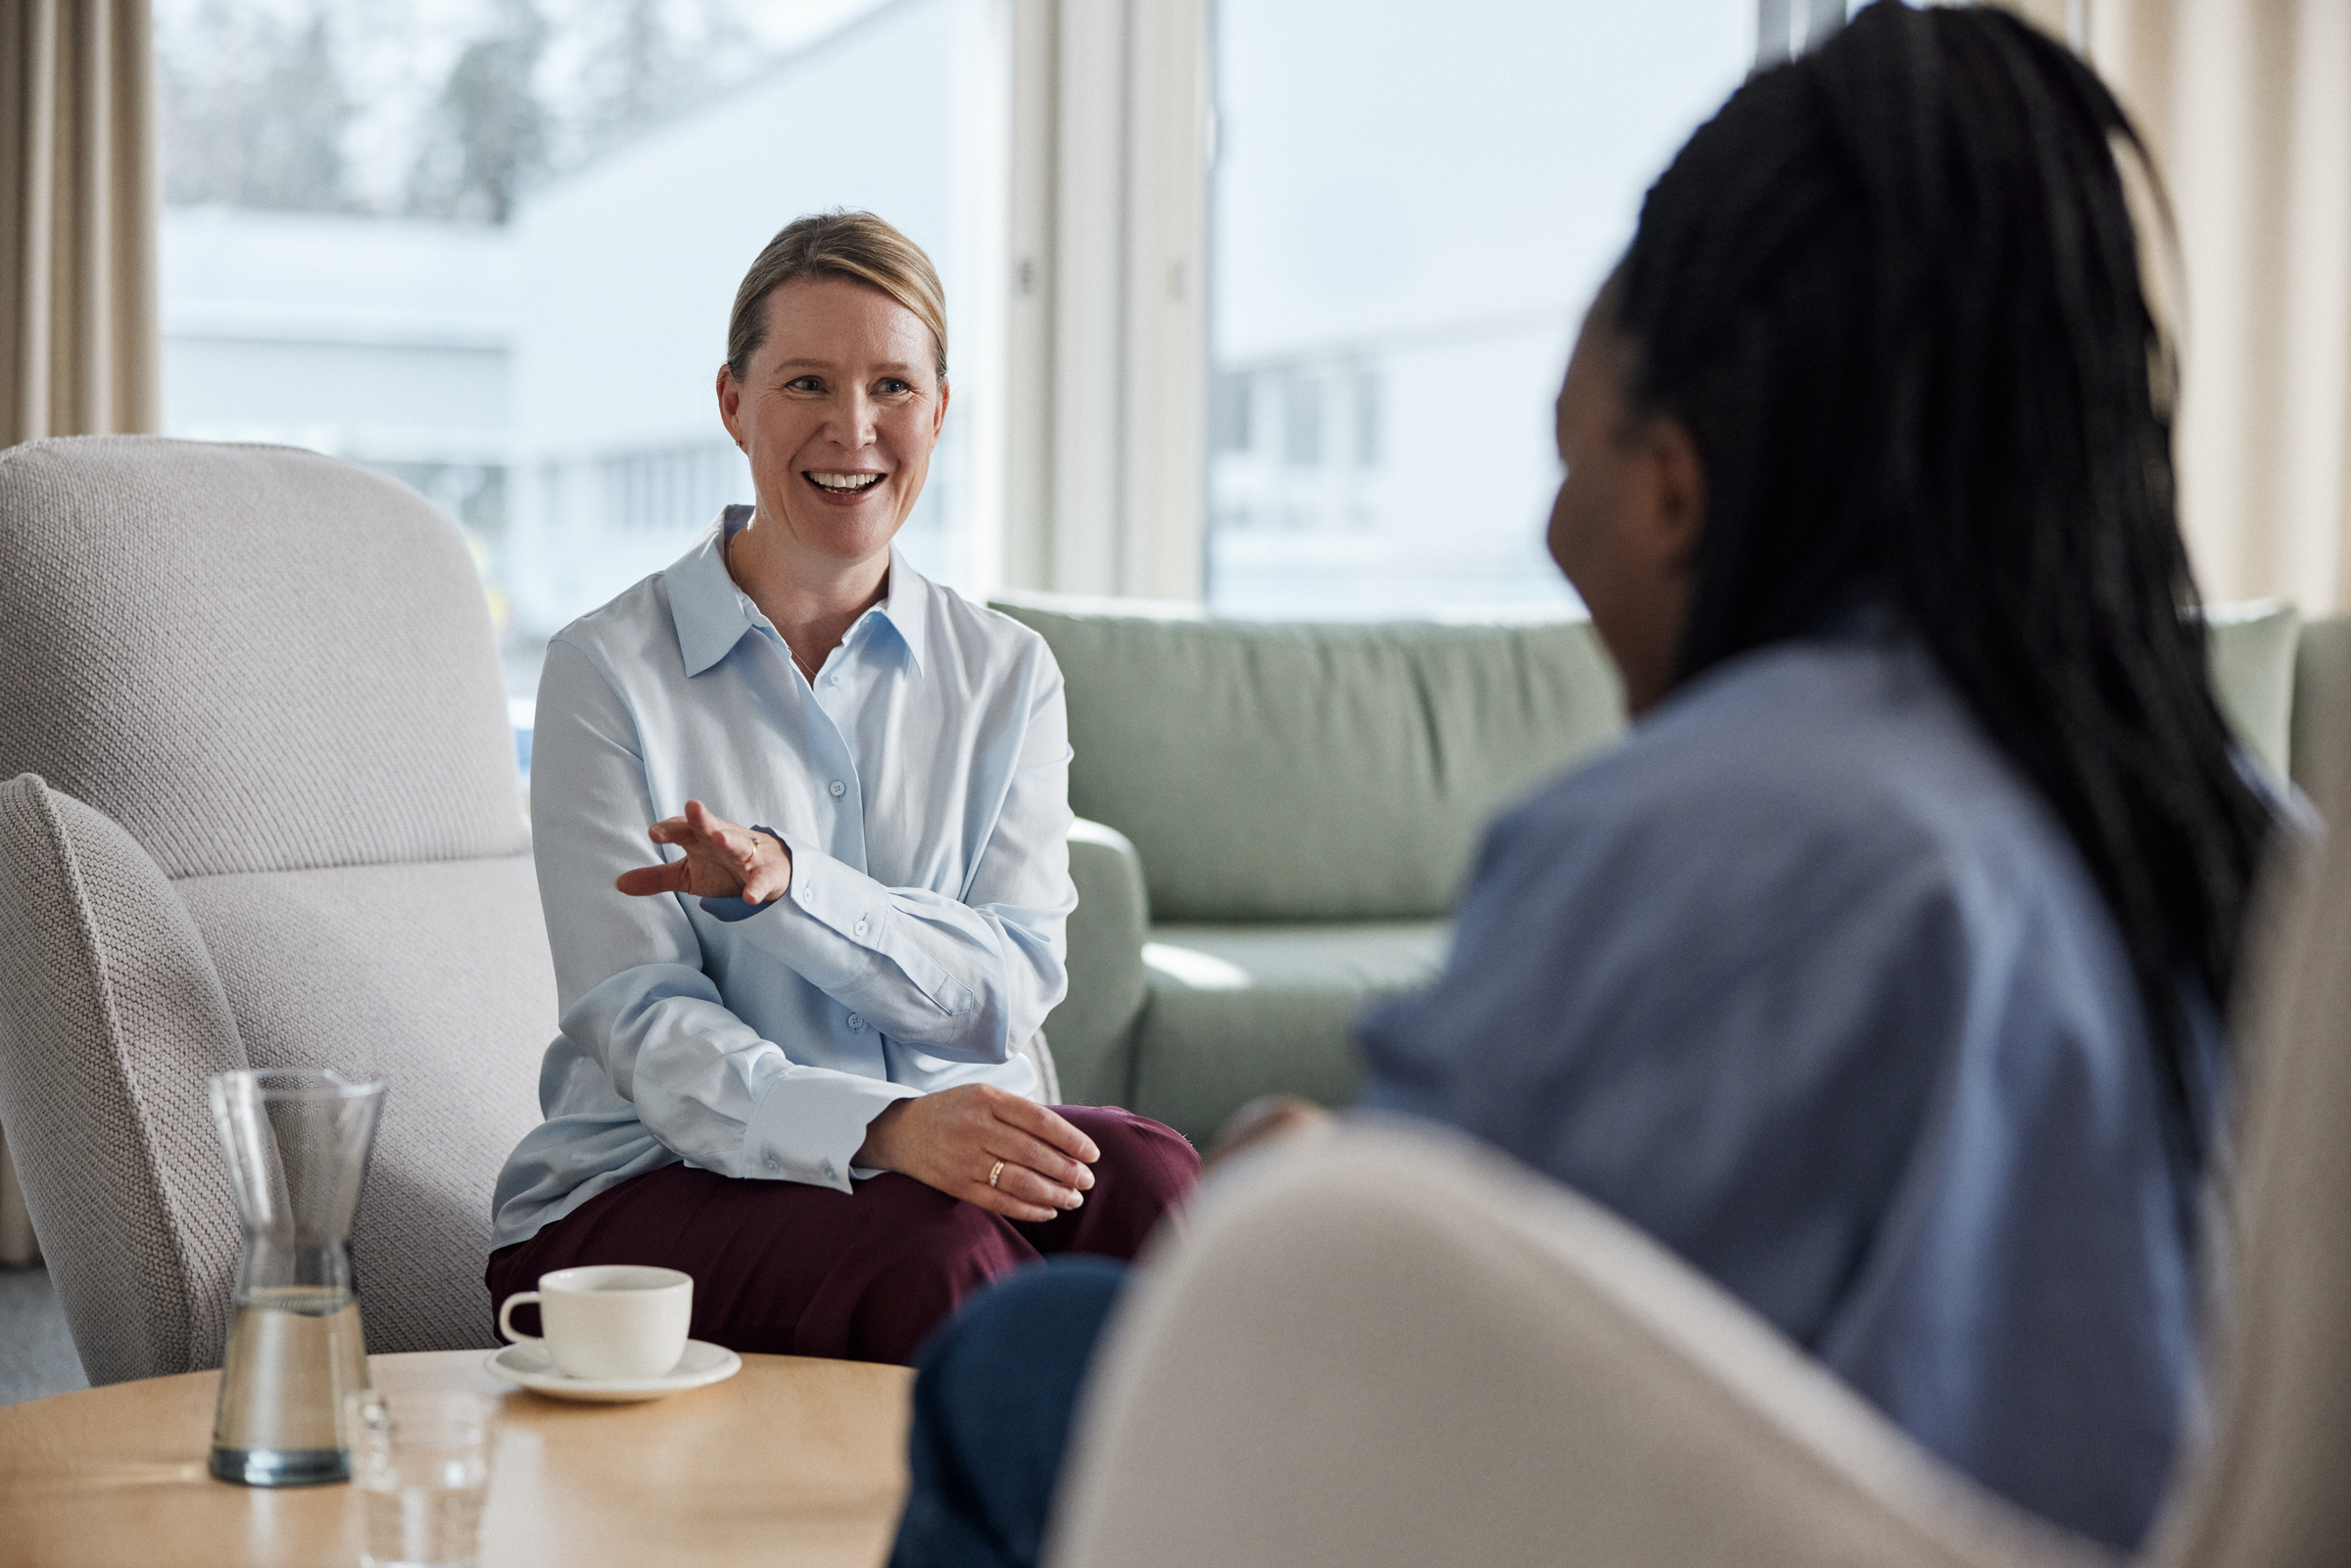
(453, 109)
(487, 137)
(650, 59)
(255, 111)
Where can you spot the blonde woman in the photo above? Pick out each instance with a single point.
(793, 1060)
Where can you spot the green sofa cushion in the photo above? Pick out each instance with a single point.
(1293, 772)
(2249, 648)
(1236, 1012)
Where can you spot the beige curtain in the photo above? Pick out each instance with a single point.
(2247, 104)
(78, 342)
(78, 198)
(2247, 107)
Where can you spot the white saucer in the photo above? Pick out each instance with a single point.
(530, 1367)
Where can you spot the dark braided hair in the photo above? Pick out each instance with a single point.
(1893, 290)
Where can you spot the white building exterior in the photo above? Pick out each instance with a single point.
(1411, 210)
(383, 340)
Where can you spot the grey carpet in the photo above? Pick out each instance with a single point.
(36, 1353)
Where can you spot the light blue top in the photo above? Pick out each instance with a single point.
(1807, 982)
(923, 785)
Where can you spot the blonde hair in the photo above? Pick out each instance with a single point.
(857, 246)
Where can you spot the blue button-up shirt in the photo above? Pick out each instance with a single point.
(921, 782)
(1807, 982)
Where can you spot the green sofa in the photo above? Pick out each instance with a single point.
(1275, 819)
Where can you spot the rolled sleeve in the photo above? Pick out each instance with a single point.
(966, 981)
(854, 939)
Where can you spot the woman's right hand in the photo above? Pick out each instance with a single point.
(723, 860)
(952, 1139)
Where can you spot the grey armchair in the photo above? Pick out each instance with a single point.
(261, 809)
(1395, 1348)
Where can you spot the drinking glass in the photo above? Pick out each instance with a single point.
(296, 1141)
(420, 1463)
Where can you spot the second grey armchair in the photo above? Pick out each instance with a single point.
(263, 811)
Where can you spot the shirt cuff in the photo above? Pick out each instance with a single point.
(838, 897)
(731, 910)
(808, 1127)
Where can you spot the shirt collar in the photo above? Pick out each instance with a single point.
(905, 607)
(711, 613)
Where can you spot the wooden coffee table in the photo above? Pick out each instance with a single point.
(790, 1461)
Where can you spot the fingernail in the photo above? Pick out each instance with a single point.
(1077, 1200)
(1086, 1179)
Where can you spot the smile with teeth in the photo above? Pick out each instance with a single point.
(851, 483)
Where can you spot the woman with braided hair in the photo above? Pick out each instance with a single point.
(1879, 973)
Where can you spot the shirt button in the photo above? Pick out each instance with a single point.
(773, 1163)
(834, 678)
(856, 1023)
(861, 927)
(828, 1176)
(840, 788)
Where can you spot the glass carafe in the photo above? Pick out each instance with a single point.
(297, 1140)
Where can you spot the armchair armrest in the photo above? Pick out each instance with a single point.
(1092, 1031)
(1390, 1347)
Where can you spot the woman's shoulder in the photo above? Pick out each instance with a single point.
(622, 617)
(1837, 757)
(629, 635)
(982, 643)
(676, 621)
(1816, 825)
(1820, 728)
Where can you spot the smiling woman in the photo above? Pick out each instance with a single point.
(835, 389)
(802, 1063)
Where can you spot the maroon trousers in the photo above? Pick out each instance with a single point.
(791, 1269)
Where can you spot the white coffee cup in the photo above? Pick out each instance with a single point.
(609, 1321)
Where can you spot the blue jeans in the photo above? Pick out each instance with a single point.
(994, 1394)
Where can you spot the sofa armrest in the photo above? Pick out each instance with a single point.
(1092, 1031)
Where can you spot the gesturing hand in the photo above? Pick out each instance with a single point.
(952, 1139)
(723, 860)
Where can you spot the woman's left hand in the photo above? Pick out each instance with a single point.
(723, 860)
(987, 1146)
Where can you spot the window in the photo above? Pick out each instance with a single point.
(490, 245)
(1410, 207)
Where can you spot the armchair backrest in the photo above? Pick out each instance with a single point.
(275, 821)
(2268, 1488)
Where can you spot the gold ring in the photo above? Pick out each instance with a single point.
(994, 1174)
